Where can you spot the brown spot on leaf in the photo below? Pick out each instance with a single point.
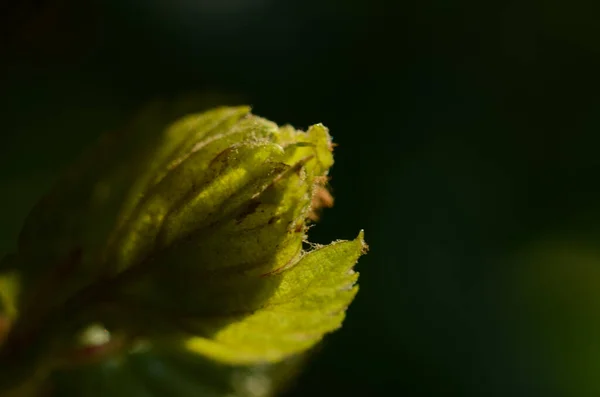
(299, 228)
(221, 158)
(250, 209)
(297, 168)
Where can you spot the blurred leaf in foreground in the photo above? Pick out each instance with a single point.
(184, 233)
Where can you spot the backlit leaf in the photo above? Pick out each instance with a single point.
(184, 234)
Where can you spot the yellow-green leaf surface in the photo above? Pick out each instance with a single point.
(310, 300)
(186, 234)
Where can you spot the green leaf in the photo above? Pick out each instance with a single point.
(76, 228)
(310, 300)
(186, 234)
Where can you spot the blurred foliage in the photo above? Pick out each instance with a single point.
(173, 372)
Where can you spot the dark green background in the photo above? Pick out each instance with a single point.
(468, 135)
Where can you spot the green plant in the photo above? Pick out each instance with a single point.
(170, 260)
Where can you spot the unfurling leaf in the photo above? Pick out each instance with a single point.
(185, 234)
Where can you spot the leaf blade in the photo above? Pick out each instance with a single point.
(281, 328)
